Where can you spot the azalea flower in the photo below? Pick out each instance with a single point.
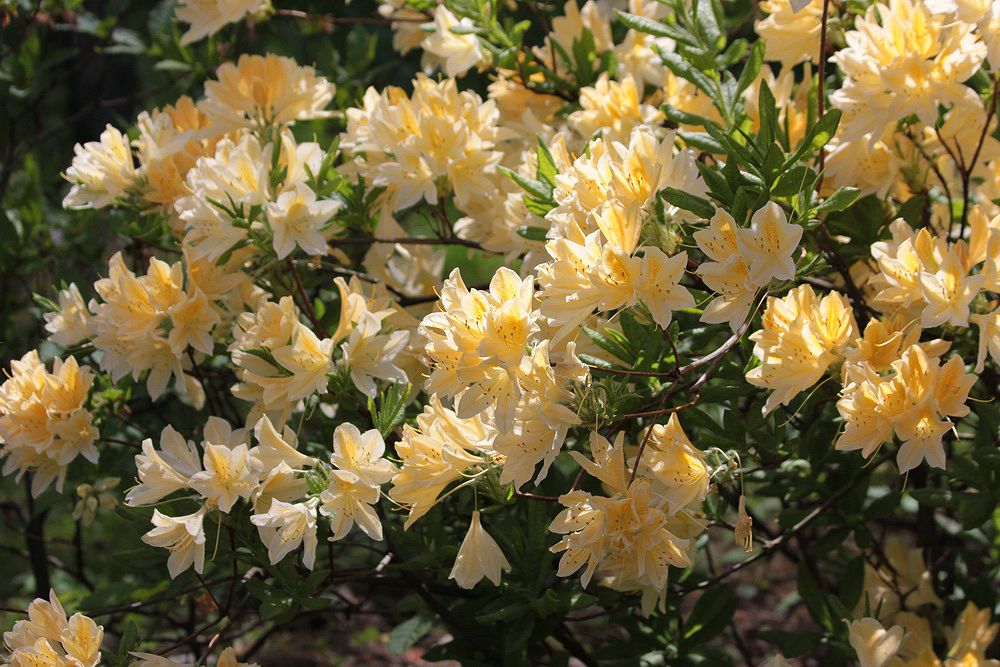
(479, 556)
(183, 536)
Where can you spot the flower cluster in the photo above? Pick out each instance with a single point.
(645, 524)
(44, 423)
(47, 637)
(478, 294)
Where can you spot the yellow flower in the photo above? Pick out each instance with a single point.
(989, 337)
(349, 500)
(801, 338)
(279, 360)
(147, 323)
(434, 455)
(43, 422)
(171, 140)
(948, 293)
(285, 527)
(915, 402)
(193, 320)
(102, 171)
(370, 354)
(229, 475)
(208, 16)
(458, 52)
(274, 448)
(161, 472)
(902, 60)
(625, 536)
(226, 659)
(744, 526)
(298, 218)
(970, 638)
(675, 466)
(477, 341)
(479, 556)
(874, 645)
(265, 90)
(438, 139)
(768, 245)
(183, 536)
(659, 284)
(569, 28)
(71, 323)
(790, 33)
(612, 108)
(625, 175)
(361, 454)
(47, 637)
(237, 172)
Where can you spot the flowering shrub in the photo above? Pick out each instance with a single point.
(623, 333)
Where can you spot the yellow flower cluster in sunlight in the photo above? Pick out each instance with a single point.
(227, 470)
(921, 276)
(151, 323)
(425, 145)
(434, 454)
(48, 637)
(802, 337)
(476, 290)
(604, 202)
(43, 422)
(744, 260)
(630, 537)
(280, 361)
(253, 93)
(901, 59)
(915, 400)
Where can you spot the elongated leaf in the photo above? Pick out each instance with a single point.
(839, 200)
(689, 202)
(655, 28)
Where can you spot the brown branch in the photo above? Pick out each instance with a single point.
(821, 85)
(770, 546)
(410, 240)
(329, 21)
(306, 302)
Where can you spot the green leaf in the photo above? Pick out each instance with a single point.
(768, 114)
(702, 141)
(537, 189)
(129, 642)
(408, 633)
(839, 200)
(932, 497)
(532, 233)
(393, 408)
(547, 170)
(682, 68)
(711, 614)
(752, 67)
(813, 597)
(817, 137)
(852, 582)
(689, 202)
(685, 118)
(655, 28)
(707, 23)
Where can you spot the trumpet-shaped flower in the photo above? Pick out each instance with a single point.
(183, 537)
(479, 556)
(286, 527)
